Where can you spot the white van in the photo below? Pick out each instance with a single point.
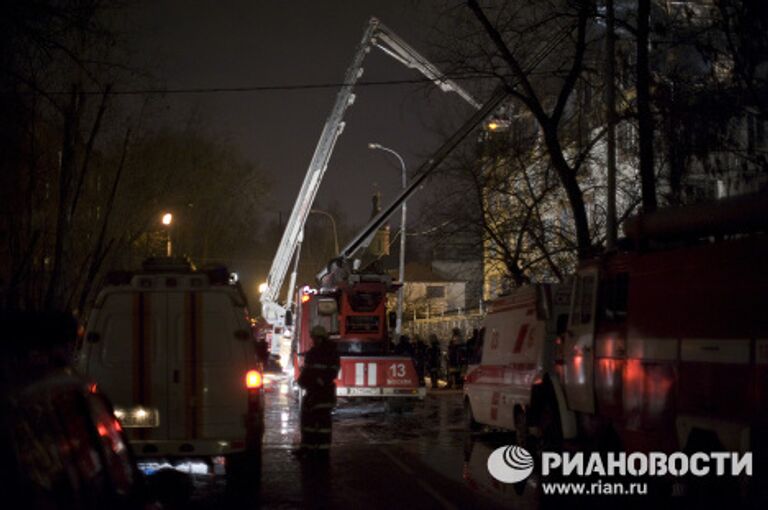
(173, 349)
(516, 378)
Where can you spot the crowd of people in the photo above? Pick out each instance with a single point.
(431, 360)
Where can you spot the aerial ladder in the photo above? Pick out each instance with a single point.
(378, 35)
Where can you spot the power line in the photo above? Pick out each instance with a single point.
(264, 88)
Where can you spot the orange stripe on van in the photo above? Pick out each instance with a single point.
(198, 326)
(141, 358)
(193, 369)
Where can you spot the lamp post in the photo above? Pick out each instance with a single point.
(400, 291)
(167, 220)
(333, 225)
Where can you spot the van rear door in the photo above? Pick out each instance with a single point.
(228, 353)
(126, 353)
(211, 338)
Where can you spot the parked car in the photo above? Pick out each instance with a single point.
(172, 346)
(61, 446)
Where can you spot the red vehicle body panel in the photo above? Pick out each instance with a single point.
(694, 342)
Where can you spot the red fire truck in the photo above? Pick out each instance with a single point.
(666, 346)
(353, 310)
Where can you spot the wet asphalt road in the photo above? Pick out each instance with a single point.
(379, 459)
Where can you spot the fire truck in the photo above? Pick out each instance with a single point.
(353, 310)
(350, 302)
(666, 344)
(376, 34)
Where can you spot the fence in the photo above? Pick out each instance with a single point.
(442, 325)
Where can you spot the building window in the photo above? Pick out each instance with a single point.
(435, 291)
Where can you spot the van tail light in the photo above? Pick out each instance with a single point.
(253, 380)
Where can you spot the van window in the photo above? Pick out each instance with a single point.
(478, 354)
(614, 296)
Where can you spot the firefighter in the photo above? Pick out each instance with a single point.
(433, 359)
(321, 366)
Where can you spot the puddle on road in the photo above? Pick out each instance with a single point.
(433, 433)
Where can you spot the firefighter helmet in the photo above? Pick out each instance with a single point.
(318, 332)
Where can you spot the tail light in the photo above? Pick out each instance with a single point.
(253, 380)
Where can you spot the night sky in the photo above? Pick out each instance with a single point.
(245, 43)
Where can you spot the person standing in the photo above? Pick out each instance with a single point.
(454, 364)
(456, 358)
(433, 359)
(403, 347)
(420, 358)
(321, 366)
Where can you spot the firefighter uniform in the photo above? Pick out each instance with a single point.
(321, 366)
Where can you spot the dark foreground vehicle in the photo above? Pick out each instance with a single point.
(60, 443)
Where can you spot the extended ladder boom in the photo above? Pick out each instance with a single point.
(401, 51)
(383, 38)
(271, 310)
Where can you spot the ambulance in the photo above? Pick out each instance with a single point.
(518, 350)
(172, 347)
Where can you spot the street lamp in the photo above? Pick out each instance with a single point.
(166, 220)
(400, 291)
(333, 225)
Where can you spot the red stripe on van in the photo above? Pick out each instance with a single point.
(142, 369)
(190, 364)
(520, 338)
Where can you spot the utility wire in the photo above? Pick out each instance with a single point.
(264, 88)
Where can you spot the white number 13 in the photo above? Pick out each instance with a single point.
(397, 369)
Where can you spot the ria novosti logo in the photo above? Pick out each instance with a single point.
(513, 464)
(510, 464)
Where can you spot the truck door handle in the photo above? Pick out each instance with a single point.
(176, 376)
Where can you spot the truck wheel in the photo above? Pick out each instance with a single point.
(243, 472)
(710, 490)
(173, 489)
(522, 437)
(469, 418)
(551, 431)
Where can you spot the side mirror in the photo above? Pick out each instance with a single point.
(288, 318)
(392, 317)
